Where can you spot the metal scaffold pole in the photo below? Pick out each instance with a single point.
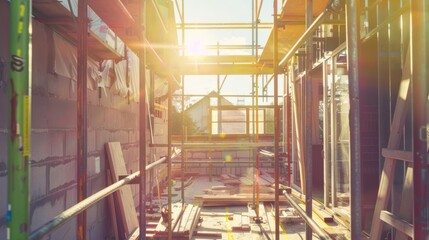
(169, 166)
(182, 102)
(20, 120)
(276, 124)
(142, 128)
(308, 110)
(355, 158)
(419, 93)
(82, 119)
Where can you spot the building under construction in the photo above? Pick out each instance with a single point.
(102, 136)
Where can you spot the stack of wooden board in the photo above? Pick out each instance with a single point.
(238, 191)
(184, 221)
(122, 205)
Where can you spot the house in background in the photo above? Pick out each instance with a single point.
(200, 111)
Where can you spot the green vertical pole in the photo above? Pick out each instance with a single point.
(20, 118)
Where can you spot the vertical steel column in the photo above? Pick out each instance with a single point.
(183, 152)
(255, 24)
(308, 112)
(419, 73)
(255, 118)
(276, 122)
(82, 53)
(219, 104)
(142, 128)
(326, 149)
(333, 131)
(355, 159)
(288, 120)
(20, 120)
(169, 179)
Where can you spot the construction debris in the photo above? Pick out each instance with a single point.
(184, 221)
(238, 191)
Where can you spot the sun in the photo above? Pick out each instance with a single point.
(195, 48)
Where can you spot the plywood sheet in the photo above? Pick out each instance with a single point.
(126, 206)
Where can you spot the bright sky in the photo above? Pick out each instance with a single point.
(223, 11)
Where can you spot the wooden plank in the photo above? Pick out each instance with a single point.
(397, 223)
(236, 222)
(112, 208)
(134, 235)
(397, 154)
(216, 214)
(322, 213)
(208, 234)
(180, 226)
(406, 207)
(161, 228)
(194, 222)
(298, 130)
(241, 198)
(401, 109)
(191, 219)
(126, 207)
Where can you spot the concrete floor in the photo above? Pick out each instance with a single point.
(265, 230)
(221, 224)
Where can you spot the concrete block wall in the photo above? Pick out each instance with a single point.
(53, 186)
(235, 162)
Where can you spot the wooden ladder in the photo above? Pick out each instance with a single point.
(392, 154)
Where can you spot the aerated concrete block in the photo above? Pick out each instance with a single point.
(62, 174)
(40, 146)
(56, 141)
(45, 210)
(70, 143)
(91, 141)
(39, 116)
(62, 114)
(38, 183)
(59, 87)
(102, 137)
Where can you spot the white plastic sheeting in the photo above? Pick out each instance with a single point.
(106, 74)
(120, 77)
(65, 62)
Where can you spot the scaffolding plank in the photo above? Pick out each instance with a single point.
(126, 206)
(113, 13)
(54, 13)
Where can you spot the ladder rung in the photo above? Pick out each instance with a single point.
(397, 223)
(398, 154)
